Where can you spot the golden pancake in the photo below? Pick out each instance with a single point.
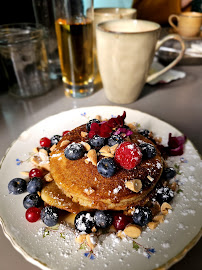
(54, 196)
(83, 184)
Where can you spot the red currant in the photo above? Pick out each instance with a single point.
(128, 155)
(35, 173)
(120, 221)
(45, 142)
(65, 132)
(33, 214)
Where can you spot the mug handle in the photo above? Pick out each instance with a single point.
(170, 20)
(174, 62)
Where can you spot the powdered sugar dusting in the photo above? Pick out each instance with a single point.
(116, 190)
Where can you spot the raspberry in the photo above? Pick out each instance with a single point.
(128, 155)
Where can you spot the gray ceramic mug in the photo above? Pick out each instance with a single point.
(125, 50)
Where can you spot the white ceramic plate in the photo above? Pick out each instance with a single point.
(58, 250)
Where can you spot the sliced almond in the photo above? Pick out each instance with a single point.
(159, 218)
(35, 160)
(132, 126)
(69, 219)
(153, 224)
(157, 139)
(52, 147)
(35, 150)
(129, 212)
(155, 208)
(134, 185)
(83, 134)
(173, 186)
(165, 207)
(45, 166)
(91, 240)
(151, 179)
(92, 156)
(98, 117)
(105, 149)
(48, 177)
(81, 238)
(64, 143)
(43, 154)
(87, 146)
(39, 193)
(132, 231)
(112, 228)
(113, 148)
(89, 190)
(107, 155)
(26, 174)
(121, 234)
(94, 229)
(86, 161)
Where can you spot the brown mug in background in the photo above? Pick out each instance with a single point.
(188, 23)
(125, 50)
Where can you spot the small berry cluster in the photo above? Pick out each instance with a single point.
(128, 155)
(105, 129)
(85, 221)
(33, 202)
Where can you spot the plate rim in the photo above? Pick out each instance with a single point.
(42, 265)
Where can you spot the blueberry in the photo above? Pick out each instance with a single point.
(164, 194)
(103, 219)
(97, 141)
(49, 216)
(114, 139)
(148, 150)
(88, 125)
(32, 200)
(144, 132)
(34, 185)
(84, 221)
(142, 215)
(55, 139)
(17, 186)
(106, 167)
(169, 173)
(74, 151)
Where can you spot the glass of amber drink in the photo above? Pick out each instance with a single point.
(74, 31)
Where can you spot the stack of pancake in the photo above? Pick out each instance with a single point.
(78, 186)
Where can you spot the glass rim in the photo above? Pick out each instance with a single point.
(17, 33)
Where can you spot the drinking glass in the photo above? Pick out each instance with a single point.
(23, 52)
(44, 16)
(74, 31)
